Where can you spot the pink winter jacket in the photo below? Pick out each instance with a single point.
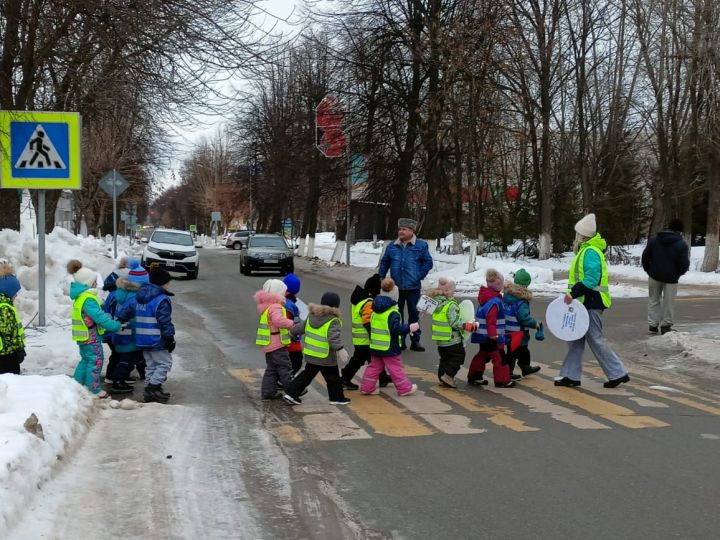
(276, 319)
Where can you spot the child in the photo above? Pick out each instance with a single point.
(154, 331)
(295, 351)
(362, 300)
(12, 333)
(490, 333)
(386, 333)
(518, 321)
(322, 347)
(109, 305)
(127, 353)
(89, 323)
(273, 336)
(447, 331)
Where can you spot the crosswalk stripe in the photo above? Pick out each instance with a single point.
(247, 376)
(334, 426)
(591, 385)
(452, 424)
(287, 433)
(500, 416)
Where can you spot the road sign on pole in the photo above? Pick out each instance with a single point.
(113, 183)
(193, 228)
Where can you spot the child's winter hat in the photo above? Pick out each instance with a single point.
(494, 280)
(330, 299)
(9, 284)
(446, 286)
(275, 286)
(137, 273)
(158, 276)
(293, 283)
(110, 283)
(123, 266)
(388, 288)
(372, 285)
(81, 274)
(586, 226)
(522, 278)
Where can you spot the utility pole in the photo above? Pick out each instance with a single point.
(252, 184)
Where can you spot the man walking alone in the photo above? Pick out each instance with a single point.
(665, 258)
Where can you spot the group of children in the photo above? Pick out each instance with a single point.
(135, 320)
(501, 329)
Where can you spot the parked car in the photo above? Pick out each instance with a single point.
(266, 252)
(174, 251)
(238, 239)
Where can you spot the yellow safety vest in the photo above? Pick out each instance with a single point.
(80, 331)
(380, 330)
(315, 340)
(576, 274)
(441, 329)
(360, 334)
(20, 329)
(262, 338)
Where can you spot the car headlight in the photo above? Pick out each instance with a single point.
(153, 250)
(190, 254)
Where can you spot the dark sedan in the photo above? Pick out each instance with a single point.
(266, 252)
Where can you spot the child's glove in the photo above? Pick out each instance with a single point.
(169, 343)
(471, 326)
(540, 334)
(342, 356)
(414, 327)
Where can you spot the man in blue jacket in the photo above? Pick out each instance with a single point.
(408, 260)
(665, 258)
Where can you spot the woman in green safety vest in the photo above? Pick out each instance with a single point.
(12, 340)
(322, 347)
(89, 323)
(588, 282)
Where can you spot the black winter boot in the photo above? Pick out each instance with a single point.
(152, 395)
(121, 387)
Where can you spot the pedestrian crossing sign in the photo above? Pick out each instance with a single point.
(40, 150)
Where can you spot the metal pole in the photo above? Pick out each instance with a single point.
(252, 185)
(349, 201)
(114, 214)
(41, 257)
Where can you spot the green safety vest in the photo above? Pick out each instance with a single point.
(315, 340)
(20, 329)
(360, 334)
(380, 330)
(80, 331)
(577, 274)
(262, 338)
(441, 329)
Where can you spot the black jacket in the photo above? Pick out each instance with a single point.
(666, 257)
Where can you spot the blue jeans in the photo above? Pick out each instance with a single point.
(411, 297)
(608, 360)
(158, 366)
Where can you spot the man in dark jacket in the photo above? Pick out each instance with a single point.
(408, 259)
(665, 258)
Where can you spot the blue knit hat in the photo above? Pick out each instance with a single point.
(137, 273)
(293, 283)
(9, 284)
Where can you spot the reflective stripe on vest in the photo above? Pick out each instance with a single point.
(360, 334)
(315, 340)
(20, 329)
(482, 318)
(262, 338)
(441, 329)
(80, 331)
(577, 274)
(511, 321)
(147, 328)
(380, 330)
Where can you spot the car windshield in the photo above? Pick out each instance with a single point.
(268, 242)
(168, 237)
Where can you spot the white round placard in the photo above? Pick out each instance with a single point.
(567, 322)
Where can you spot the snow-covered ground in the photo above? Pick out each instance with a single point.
(627, 281)
(62, 407)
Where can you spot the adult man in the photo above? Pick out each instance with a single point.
(588, 282)
(409, 261)
(665, 258)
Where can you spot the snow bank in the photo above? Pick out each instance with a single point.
(62, 408)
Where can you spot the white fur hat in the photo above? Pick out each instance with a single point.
(446, 285)
(275, 286)
(86, 276)
(586, 226)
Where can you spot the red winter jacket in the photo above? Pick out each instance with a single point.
(485, 294)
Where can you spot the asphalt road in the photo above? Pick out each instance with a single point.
(531, 462)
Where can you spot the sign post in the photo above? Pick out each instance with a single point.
(40, 150)
(114, 183)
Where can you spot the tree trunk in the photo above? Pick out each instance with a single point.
(710, 258)
(10, 204)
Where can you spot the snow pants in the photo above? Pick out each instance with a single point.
(451, 358)
(125, 363)
(88, 371)
(278, 369)
(489, 352)
(520, 356)
(394, 366)
(296, 360)
(331, 374)
(361, 356)
(158, 366)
